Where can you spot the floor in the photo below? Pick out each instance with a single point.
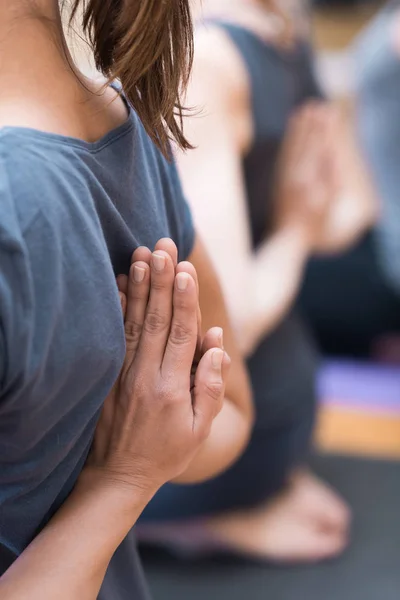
(368, 570)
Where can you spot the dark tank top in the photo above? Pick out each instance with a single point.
(283, 366)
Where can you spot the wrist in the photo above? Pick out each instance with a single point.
(298, 234)
(125, 496)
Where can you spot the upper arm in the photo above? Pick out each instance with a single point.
(212, 174)
(212, 180)
(11, 322)
(14, 282)
(2, 359)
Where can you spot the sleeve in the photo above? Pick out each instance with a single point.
(3, 367)
(14, 327)
(6, 319)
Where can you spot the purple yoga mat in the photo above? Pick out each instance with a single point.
(360, 385)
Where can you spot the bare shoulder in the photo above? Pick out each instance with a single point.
(220, 87)
(394, 32)
(74, 107)
(218, 66)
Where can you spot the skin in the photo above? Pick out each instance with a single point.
(160, 388)
(222, 133)
(230, 429)
(307, 521)
(130, 460)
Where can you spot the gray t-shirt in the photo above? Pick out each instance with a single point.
(71, 213)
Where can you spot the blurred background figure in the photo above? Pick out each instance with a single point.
(349, 300)
(377, 62)
(353, 301)
(274, 177)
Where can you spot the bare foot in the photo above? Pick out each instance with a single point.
(307, 522)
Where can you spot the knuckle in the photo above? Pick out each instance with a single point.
(136, 392)
(214, 389)
(165, 394)
(155, 322)
(133, 331)
(168, 396)
(181, 334)
(161, 283)
(139, 293)
(187, 301)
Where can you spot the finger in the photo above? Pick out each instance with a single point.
(187, 267)
(136, 304)
(167, 245)
(313, 143)
(122, 299)
(296, 148)
(122, 283)
(209, 389)
(141, 254)
(213, 339)
(182, 339)
(158, 317)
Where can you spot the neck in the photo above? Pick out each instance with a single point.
(25, 8)
(32, 40)
(41, 87)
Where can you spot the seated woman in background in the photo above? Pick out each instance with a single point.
(252, 71)
(353, 301)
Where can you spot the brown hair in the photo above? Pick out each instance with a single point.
(148, 46)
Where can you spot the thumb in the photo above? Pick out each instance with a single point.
(209, 389)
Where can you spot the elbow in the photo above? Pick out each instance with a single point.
(244, 431)
(247, 337)
(246, 407)
(249, 404)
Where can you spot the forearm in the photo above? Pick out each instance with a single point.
(277, 270)
(229, 436)
(231, 429)
(351, 216)
(69, 558)
(356, 207)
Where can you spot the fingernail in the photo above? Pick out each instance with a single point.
(182, 280)
(138, 274)
(221, 337)
(121, 299)
(216, 359)
(158, 262)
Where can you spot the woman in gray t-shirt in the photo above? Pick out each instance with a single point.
(82, 187)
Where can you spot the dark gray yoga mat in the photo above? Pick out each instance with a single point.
(369, 570)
